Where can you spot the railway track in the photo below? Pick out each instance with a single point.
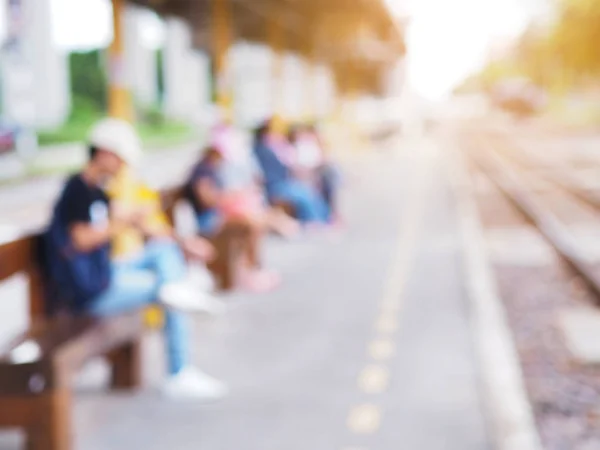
(517, 187)
(569, 182)
(564, 390)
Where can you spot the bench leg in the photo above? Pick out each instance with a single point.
(222, 267)
(126, 366)
(53, 428)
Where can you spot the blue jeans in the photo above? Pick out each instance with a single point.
(308, 204)
(329, 180)
(136, 282)
(209, 222)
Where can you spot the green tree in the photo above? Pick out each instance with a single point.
(89, 78)
(160, 75)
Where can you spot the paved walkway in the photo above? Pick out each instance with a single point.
(366, 346)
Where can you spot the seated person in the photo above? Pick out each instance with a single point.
(241, 177)
(126, 191)
(282, 185)
(78, 247)
(217, 209)
(310, 160)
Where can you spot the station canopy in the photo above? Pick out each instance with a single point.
(358, 39)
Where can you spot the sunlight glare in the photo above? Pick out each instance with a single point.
(449, 39)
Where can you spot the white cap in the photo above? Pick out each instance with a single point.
(118, 137)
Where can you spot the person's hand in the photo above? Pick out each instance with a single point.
(199, 248)
(130, 216)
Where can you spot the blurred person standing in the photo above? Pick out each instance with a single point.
(79, 243)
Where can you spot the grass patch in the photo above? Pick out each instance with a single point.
(77, 127)
(154, 128)
(167, 133)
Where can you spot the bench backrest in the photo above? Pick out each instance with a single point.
(21, 256)
(169, 198)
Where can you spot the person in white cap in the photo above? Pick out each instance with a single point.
(80, 235)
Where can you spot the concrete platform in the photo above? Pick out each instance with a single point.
(366, 346)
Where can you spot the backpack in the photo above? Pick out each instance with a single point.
(77, 277)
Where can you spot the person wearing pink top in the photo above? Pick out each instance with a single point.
(240, 175)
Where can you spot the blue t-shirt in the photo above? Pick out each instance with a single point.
(81, 202)
(78, 277)
(202, 171)
(274, 171)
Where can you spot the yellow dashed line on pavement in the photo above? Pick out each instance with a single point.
(381, 349)
(364, 419)
(390, 305)
(386, 324)
(374, 379)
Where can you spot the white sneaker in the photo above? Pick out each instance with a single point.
(185, 297)
(193, 384)
(201, 278)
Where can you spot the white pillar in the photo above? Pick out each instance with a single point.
(251, 83)
(45, 71)
(186, 74)
(325, 91)
(293, 87)
(140, 60)
(177, 45)
(199, 83)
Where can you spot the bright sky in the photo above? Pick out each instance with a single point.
(87, 24)
(80, 23)
(449, 39)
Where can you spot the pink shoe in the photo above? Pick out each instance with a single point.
(333, 227)
(315, 227)
(260, 281)
(337, 223)
(291, 230)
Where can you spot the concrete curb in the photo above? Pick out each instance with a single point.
(509, 413)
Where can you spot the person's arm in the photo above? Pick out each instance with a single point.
(197, 248)
(157, 226)
(207, 192)
(86, 237)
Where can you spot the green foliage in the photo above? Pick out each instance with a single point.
(166, 134)
(160, 75)
(88, 77)
(90, 91)
(152, 115)
(154, 128)
(84, 113)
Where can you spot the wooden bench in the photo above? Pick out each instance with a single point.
(35, 394)
(227, 243)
